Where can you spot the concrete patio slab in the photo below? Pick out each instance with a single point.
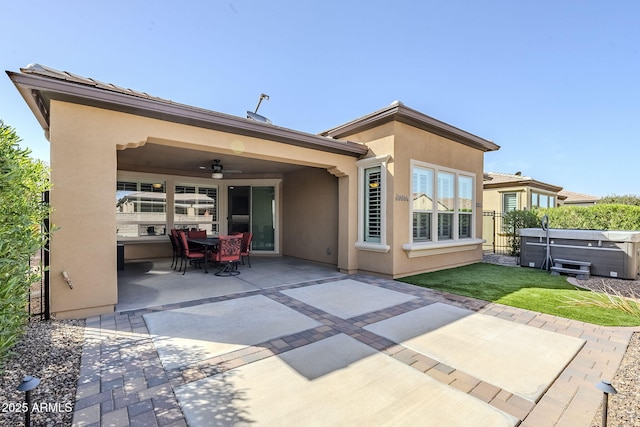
(123, 380)
(267, 272)
(336, 381)
(348, 298)
(518, 358)
(188, 335)
(152, 283)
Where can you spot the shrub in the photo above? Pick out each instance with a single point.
(22, 181)
(513, 221)
(597, 217)
(628, 199)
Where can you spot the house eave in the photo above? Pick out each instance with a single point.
(403, 114)
(38, 91)
(522, 183)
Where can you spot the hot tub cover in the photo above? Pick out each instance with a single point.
(605, 235)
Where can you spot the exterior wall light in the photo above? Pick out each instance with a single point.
(607, 389)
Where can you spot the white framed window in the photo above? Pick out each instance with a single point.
(541, 200)
(422, 203)
(509, 202)
(141, 208)
(373, 204)
(372, 195)
(446, 206)
(465, 207)
(196, 206)
(443, 204)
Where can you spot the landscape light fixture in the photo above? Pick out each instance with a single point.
(28, 383)
(607, 389)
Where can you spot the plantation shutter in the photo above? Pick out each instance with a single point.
(373, 204)
(510, 202)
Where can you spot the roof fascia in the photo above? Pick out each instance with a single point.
(523, 183)
(38, 90)
(401, 113)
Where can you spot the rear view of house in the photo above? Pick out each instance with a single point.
(393, 193)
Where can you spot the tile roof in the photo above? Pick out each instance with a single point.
(498, 177)
(39, 85)
(572, 197)
(498, 180)
(70, 77)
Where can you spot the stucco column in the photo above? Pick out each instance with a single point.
(83, 169)
(347, 217)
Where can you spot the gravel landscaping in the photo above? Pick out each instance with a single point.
(50, 351)
(624, 407)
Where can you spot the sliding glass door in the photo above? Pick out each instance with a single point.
(263, 207)
(253, 208)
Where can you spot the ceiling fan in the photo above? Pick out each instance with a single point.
(216, 168)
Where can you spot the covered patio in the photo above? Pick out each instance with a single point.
(153, 283)
(291, 207)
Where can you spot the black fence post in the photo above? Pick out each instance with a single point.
(45, 262)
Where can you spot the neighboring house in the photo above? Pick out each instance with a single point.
(503, 193)
(393, 193)
(577, 199)
(507, 192)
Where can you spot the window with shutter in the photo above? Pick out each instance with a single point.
(196, 206)
(509, 202)
(422, 203)
(443, 201)
(373, 204)
(141, 208)
(465, 206)
(372, 196)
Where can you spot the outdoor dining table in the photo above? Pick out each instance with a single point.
(209, 243)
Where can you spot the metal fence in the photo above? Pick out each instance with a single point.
(39, 292)
(496, 240)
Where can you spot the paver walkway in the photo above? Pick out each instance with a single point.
(123, 382)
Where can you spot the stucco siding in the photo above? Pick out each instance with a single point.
(310, 215)
(415, 144)
(83, 165)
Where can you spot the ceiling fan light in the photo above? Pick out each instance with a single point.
(217, 175)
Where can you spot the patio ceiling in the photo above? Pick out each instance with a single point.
(155, 158)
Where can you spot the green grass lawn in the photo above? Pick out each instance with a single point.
(521, 287)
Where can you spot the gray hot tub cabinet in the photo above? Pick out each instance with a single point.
(611, 253)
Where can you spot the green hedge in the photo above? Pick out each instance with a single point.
(22, 181)
(597, 217)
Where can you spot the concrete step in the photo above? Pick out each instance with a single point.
(580, 274)
(571, 262)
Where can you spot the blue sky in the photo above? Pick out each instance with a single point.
(555, 83)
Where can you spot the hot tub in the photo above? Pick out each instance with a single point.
(611, 253)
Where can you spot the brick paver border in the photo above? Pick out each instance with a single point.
(122, 381)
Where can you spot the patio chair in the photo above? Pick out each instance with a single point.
(189, 255)
(197, 234)
(177, 248)
(246, 247)
(228, 255)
